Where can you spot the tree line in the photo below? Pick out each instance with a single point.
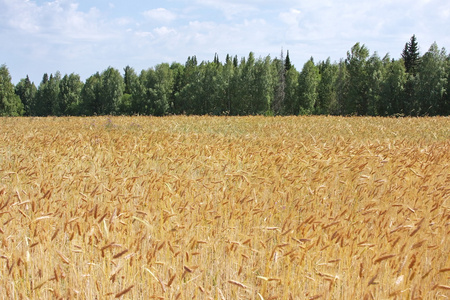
(361, 84)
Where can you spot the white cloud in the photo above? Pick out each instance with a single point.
(54, 21)
(75, 36)
(229, 8)
(164, 31)
(143, 34)
(160, 15)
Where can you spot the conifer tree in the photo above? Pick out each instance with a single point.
(216, 59)
(287, 62)
(411, 56)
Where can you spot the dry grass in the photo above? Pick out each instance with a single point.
(225, 208)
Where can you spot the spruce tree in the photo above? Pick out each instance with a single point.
(216, 59)
(411, 56)
(287, 62)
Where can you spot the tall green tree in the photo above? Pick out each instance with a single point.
(376, 73)
(53, 92)
(411, 56)
(10, 104)
(141, 100)
(162, 89)
(91, 96)
(308, 82)
(342, 90)
(188, 97)
(445, 106)
(234, 87)
(26, 90)
(228, 74)
(432, 81)
(47, 96)
(131, 93)
(244, 102)
(327, 99)
(290, 100)
(175, 102)
(70, 88)
(157, 87)
(280, 89)
(41, 106)
(358, 80)
(287, 62)
(392, 94)
(411, 59)
(213, 88)
(112, 88)
(264, 85)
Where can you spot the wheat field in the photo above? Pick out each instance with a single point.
(224, 208)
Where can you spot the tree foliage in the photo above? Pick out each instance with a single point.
(361, 84)
(411, 56)
(10, 104)
(26, 90)
(308, 82)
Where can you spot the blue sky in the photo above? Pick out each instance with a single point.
(84, 37)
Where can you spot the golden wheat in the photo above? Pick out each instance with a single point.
(224, 208)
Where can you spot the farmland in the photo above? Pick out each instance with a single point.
(225, 208)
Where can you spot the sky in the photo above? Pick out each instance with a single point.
(88, 36)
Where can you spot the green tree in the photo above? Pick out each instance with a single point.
(287, 62)
(411, 59)
(162, 89)
(246, 90)
(90, 96)
(445, 105)
(290, 99)
(157, 87)
(175, 103)
(129, 79)
(112, 88)
(228, 74)
(235, 61)
(41, 105)
(234, 86)
(265, 82)
(280, 89)
(26, 90)
(147, 79)
(307, 93)
(47, 96)
(70, 88)
(213, 91)
(327, 99)
(431, 81)
(342, 90)
(53, 93)
(392, 95)
(132, 92)
(376, 73)
(411, 56)
(358, 81)
(187, 99)
(10, 104)
(254, 86)
(216, 59)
